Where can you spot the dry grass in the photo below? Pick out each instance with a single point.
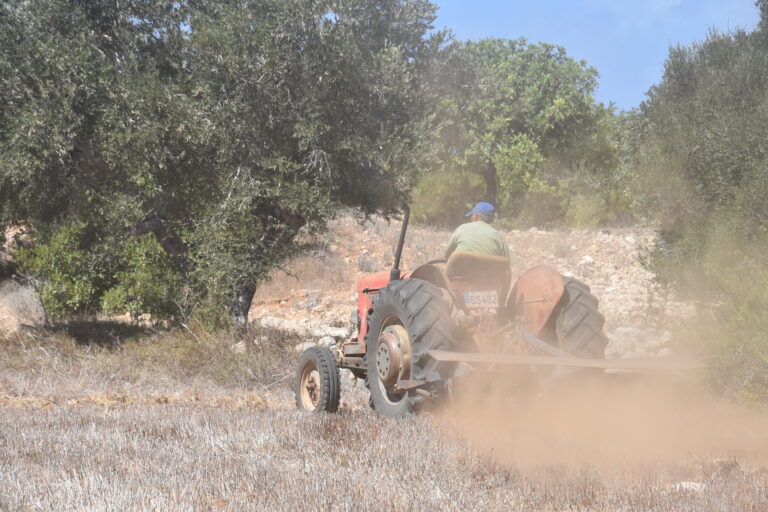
(105, 357)
(197, 457)
(175, 422)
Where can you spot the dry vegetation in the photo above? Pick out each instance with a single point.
(182, 422)
(190, 457)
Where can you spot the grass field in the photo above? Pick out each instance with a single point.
(175, 421)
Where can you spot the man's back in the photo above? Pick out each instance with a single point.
(478, 237)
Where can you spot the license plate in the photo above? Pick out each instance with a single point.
(488, 299)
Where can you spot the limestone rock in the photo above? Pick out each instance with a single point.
(301, 347)
(19, 307)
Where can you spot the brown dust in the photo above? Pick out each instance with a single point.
(606, 422)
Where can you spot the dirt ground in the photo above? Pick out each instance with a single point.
(116, 417)
(92, 429)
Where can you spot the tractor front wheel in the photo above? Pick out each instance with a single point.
(317, 384)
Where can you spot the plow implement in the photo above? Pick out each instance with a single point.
(647, 364)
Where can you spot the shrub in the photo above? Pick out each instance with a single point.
(136, 276)
(74, 277)
(701, 173)
(728, 281)
(146, 284)
(586, 211)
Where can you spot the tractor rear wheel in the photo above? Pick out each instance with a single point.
(409, 317)
(579, 325)
(317, 385)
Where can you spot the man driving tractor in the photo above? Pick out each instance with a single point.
(477, 236)
(478, 252)
(413, 329)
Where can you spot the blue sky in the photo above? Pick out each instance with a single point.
(626, 40)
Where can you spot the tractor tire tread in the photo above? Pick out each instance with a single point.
(579, 325)
(330, 380)
(425, 315)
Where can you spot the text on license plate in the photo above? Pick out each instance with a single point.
(487, 299)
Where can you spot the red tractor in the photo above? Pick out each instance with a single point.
(414, 329)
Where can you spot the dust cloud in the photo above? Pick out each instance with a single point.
(605, 421)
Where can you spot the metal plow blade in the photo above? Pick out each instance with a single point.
(659, 363)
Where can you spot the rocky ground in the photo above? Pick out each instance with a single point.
(19, 304)
(314, 293)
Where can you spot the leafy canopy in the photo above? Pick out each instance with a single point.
(518, 123)
(208, 131)
(701, 173)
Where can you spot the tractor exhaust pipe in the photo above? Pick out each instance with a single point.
(394, 274)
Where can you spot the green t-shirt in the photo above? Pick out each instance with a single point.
(480, 238)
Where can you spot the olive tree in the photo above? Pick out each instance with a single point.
(200, 136)
(519, 121)
(701, 176)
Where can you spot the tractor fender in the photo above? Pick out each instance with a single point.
(535, 296)
(368, 286)
(371, 284)
(432, 274)
(436, 275)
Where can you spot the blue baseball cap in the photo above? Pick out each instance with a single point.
(482, 208)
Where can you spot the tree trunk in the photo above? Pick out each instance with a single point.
(281, 227)
(171, 243)
(241, 304)
(489, 175)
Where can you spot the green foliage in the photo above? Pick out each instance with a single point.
(74, 275)
(146, 282)
(517, 165)
(729, 279)
(701, 173)
(87, 273)
(522, 118)
(586, 211)
(220, 129)
(444, 198)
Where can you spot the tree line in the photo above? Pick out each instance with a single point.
(165, 154)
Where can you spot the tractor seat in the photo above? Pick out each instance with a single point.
(474, 267)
